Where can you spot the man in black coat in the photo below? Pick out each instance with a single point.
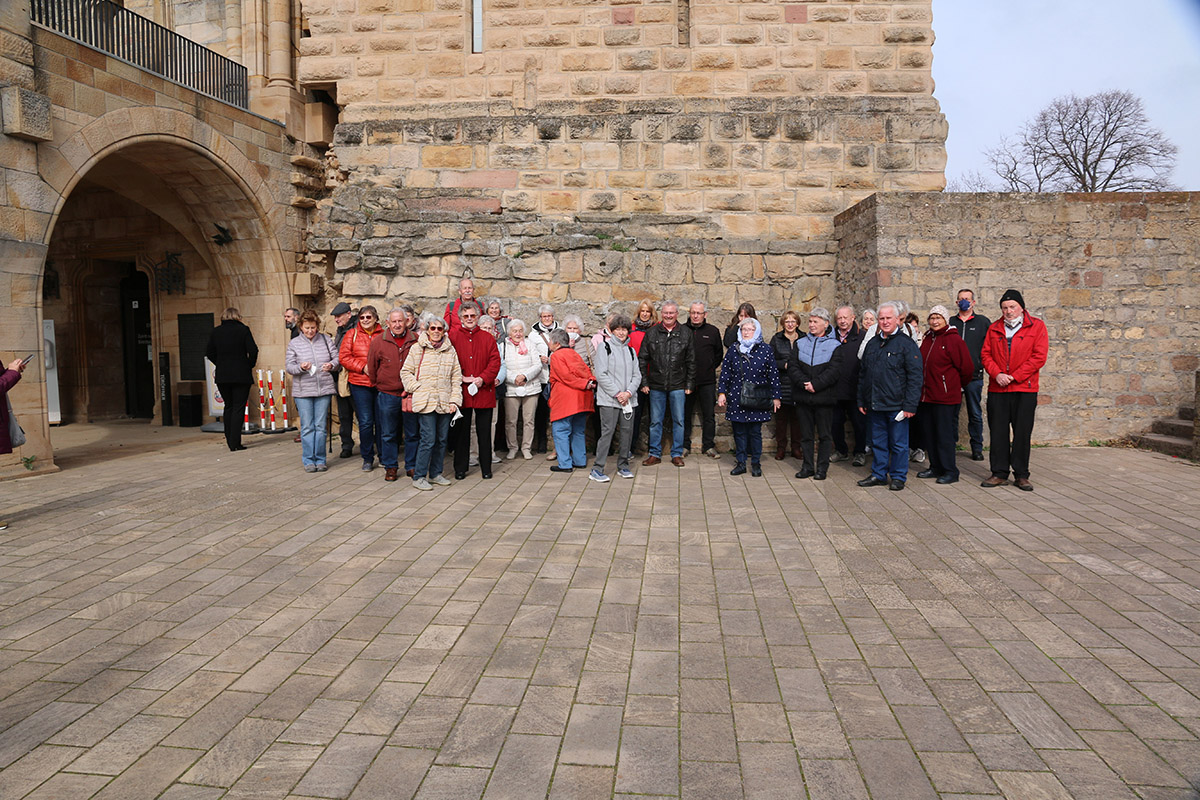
(345, 319)
(849, 334)
(709, 352)
(889, 391)
(668, 367)
(972, 328)
(232, 351)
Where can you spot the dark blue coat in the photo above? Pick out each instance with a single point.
(891, 374)
(758, 367)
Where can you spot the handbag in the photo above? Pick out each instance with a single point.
(755, 396)
(406, 401)
(343, 378)
(15, 433)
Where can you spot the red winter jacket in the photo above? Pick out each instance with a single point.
(1023, 359)
(385, 359)
(569, 379)
(352, 355)
(948, 366)
(453, 323)
(479, 358)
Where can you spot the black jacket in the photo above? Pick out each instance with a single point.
(892, 374)
(783, 352)
(847, 390)
(709, 352)
(232, 351)
(973, 332)
(824, 376)
(667, 359)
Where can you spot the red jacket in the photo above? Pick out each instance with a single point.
(352, 355)
(569, 379)
(1023, 359)
(385, 357)
(479, 357)
(453, 323)
(948, 365)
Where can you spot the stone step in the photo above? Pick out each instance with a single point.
(1187, 412)
(1181, 428)
(1168, 445)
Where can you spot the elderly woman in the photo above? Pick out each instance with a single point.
(948, 368)
(432, 378)
(541, 332)
(311, 359)
(571, 402)
(749, 363)
(495, 311)
(815, 372)
(783, 343)
(618, 377)
(522, 361)
(352, 355)
(579, 343)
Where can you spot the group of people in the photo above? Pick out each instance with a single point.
(421, 384)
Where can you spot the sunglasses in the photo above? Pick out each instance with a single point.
(436, 328)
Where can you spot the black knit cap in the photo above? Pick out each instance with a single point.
(1013, 294)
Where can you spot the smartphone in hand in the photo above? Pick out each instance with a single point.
(29, 358)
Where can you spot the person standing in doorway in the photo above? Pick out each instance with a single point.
(232, 351)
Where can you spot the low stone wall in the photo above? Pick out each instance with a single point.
(1113, 276)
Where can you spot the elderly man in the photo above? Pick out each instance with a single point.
(541, 420)
(848, 333)
(385, 357)
(709, 353)
(972, 328)
(1014, 352)
(668, 364)
(466, 298)
(479, 359)
(889, 390)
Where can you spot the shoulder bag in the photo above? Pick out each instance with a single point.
(755, 396)
(15, 432)
(406, 402)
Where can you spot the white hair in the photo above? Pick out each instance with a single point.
(894, 305)
(520, 323)
(670, 303)
(545, 309)
(698, 303)
(569, 318)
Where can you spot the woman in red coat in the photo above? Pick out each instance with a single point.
(948, 367)
(352, 356)
(572, 399)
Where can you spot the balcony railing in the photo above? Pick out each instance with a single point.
(107, 27)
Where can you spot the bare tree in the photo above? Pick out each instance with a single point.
(971, 181)
(1100, 143)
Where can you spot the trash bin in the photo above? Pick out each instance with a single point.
(191, 403)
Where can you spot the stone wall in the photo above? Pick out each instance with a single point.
(1113, 276)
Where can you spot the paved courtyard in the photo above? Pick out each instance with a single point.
(197, 624)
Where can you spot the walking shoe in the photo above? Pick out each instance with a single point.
(992, 481)
(557, 468)
(473, 462)
(310, 467)
(1023, 484)
(738, 469)
(552, 456)
(368, 466)
(525, 454)
(896, 485)
(322, 468)
(440, 480)
(871, 480)
(977, 455)
(677, 461)
(859, 459)
(836, 457)
(422, 484)
(496, 459)
(917, 455)
(650, 461)
(389, 474)
(756, 470)
(512, 454)
(712, 453)
(624, 473)
(805, 472)
(598, 476)
(345, 454)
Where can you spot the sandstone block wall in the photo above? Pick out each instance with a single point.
(1113, 276)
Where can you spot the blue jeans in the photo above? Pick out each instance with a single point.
(973, 397)
(889, 445)
(364, 408)
(313, 411)
(658, 410)
(412, 438)
(431, 452)
(387, 420)
(747, 439)
(570, 440)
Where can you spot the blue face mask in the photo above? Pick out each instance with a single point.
(964, 305)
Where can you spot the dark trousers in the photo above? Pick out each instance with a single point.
(500, 444)
(846, 409)
(747, 441)
(786, 422)
(973, 397)
(815, 423)
(345, 409)
(939, 423)
(462, 435)
(889, 446)
(1011, 412)
(541, 424)
(235, 396)
(703, 398)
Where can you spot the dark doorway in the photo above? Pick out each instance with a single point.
(137, 345)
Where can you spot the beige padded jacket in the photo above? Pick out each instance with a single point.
(439, 384)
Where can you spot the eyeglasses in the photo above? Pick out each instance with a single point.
(436, 328)
(365, 316)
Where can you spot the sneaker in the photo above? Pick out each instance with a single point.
(4, 523)
(917, 455)
(496, 458)
(473, 462)
(512, 454)
(598, 476)
(422, 484)
(836, 457)
(525, 454)
(322, 468)
(712, 453)
(440, 480)
(368, 466)
(624, 473)
(859, 459)
(310, 467)
(552, 456)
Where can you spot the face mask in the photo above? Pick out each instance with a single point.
(964, 305)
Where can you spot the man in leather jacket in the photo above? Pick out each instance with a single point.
(668, 364)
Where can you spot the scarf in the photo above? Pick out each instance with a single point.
(522, 348)
(747, 346)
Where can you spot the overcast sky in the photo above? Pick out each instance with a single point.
(998, 62)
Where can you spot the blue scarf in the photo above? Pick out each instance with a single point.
(747, 346)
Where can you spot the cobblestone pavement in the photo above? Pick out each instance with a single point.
(196, 624)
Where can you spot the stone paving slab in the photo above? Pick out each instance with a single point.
(195, 624)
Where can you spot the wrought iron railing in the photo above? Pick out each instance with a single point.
(109, 28)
